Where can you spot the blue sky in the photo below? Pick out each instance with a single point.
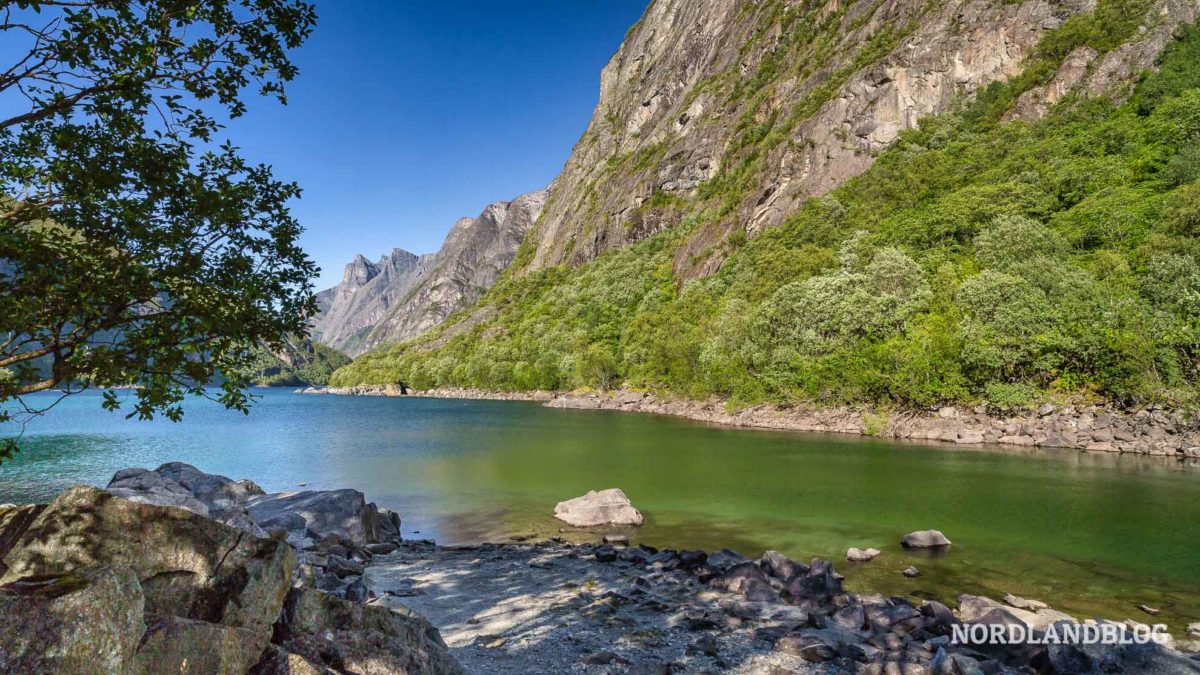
(408, 115)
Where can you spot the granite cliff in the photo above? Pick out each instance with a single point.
(899, 203)
(747, 108)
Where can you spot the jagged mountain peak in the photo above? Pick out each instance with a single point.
(403, 295)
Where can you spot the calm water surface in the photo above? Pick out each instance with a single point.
(1093, 534)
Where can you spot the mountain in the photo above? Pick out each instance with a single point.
(403, 295)
(897, 202)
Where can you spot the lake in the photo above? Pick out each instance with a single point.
(1093, 534)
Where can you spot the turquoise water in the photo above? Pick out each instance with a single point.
(1094, 534)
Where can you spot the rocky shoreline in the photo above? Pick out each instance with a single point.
(1146, 431)
(176, 570)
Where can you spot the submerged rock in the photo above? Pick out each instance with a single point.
(1023, 603)
(924, 539)
(606, 507)
(860, 555)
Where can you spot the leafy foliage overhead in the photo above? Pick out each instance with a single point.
(136, 246)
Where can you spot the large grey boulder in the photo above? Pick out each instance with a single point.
(305, 516)
(150, 487)
(88, 622)
(96, 583)
(188, 565)
(221, 495)
(924, 539)
(184, 486)
(345, 513)
(349, 637)
(606, 507)
(1130, 659)
(973, 608)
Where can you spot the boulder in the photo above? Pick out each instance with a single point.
(1024, 603)
(1132, 659)
(924, 539)
(220, 494)
(173, 644)
(189, 566)
(719, 561)
(14, 521)
(780, 566)
(342, 512)
(606, 507)
(748, 580)
(911, 572)
(973, 608)
(303, 516)
(606, 554)
(350, 637)
(149, 487)
(87, 622)
(278, 661)
(940, 617)
(816, 587)
(860, 555)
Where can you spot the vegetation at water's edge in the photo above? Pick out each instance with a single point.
(301, 363)
(976, 260)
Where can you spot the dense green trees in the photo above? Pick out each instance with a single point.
(977, 260)
(299, 363)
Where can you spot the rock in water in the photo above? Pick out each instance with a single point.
(924, 539)
(912, 572)
(1023, 603)
(859, 555)
(606, 507)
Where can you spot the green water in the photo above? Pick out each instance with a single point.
(1091, 534)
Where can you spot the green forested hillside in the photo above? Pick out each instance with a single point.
(303, 362)
(977, 260)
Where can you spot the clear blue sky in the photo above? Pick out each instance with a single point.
(408, 115)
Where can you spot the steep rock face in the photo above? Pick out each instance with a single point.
(404, 295)
(367, 291)
(747, 108)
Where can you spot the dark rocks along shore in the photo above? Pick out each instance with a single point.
(176, 570)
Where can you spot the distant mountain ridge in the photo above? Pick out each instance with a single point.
(402, 295)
